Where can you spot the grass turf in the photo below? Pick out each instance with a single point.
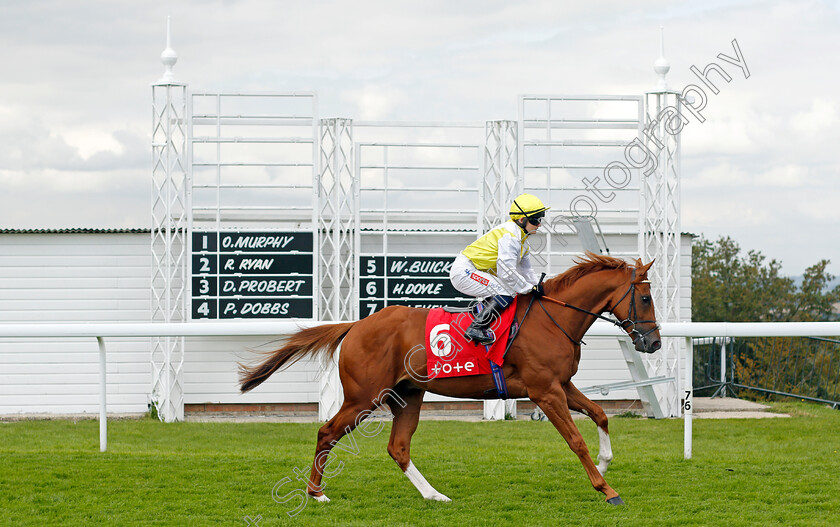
(744, 472)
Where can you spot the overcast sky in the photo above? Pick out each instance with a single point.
(75, 97)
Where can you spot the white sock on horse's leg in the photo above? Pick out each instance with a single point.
(322, 498)
(428, 492)
(605, 454)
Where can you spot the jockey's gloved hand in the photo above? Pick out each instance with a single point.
(538, 290)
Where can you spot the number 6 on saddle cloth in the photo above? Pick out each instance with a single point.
(450, 354)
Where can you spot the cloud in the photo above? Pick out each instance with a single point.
(783, 176)
(719, 176)
(736, 124)
(29, 145)
(375, 102)
(88, 141)
(724, 212)
(821, 116)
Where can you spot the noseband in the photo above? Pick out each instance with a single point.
(628, 324)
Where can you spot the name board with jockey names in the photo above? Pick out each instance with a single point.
(416, 281)
(252, 274)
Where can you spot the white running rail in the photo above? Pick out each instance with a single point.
(688, 330)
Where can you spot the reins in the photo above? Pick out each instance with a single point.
(564, 304)
(623, 324)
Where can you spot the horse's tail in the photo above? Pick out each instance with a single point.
(307, 342)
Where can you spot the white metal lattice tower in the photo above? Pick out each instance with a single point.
(336, 221)
(499, 187)
(170, 222)
(501, 183)
(660, 224)
(336, 218)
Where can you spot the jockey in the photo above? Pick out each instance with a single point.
(497, 267)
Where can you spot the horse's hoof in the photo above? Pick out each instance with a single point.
(615, 501)
(438, 497)
(322, 498)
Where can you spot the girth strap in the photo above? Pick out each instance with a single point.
(499, 380)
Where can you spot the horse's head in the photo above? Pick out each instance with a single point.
(633, 306)
(626, 295)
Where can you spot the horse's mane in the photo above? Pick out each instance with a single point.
(591, 263)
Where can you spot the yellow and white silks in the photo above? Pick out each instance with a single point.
(495, 264)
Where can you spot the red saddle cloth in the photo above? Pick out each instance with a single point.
(449, 354)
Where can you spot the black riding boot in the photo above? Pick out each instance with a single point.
(479, 331)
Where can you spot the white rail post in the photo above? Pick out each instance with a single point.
(688, 393)
(494, 410)
(103, 397)
(723, 368)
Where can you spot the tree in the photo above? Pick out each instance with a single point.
(814, 302)
(730, 287)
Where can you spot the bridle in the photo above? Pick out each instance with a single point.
(628, 324)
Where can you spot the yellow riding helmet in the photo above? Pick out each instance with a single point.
(527, 206)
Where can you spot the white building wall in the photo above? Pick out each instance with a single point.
(73, 277)
(211, 366)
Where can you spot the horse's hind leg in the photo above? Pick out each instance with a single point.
(406, 409)
(343, 423)
(581, 403)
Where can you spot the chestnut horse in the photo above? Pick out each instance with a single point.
(381, 362)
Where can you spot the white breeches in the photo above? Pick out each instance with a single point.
(470, 281)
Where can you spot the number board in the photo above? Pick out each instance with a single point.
(252, 274)
(416, 281)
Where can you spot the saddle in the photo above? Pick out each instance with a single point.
(449, 354)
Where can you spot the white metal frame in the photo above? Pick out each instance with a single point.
(659, 234)
(545, 121)
(297, 112)
(174, 213)
(335, 203)
(414, 221)
(169, 243)
(502, 180)
(338, 164)
(221, 215)
(336, 219)
(542, 129)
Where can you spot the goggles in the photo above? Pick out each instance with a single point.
(535, 221)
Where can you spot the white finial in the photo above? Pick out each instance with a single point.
(662, 66)
(168, 57)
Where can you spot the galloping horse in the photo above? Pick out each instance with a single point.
(379, 364)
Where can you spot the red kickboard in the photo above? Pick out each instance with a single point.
(449, 354)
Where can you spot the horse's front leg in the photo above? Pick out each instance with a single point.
(554, 403)
(581, 403)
